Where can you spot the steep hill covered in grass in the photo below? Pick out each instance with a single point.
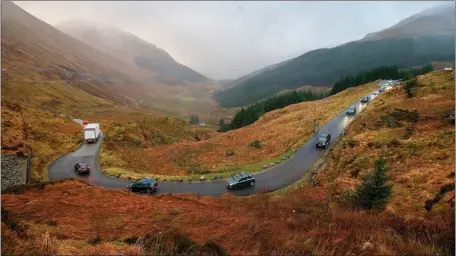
(35, 51)
(415, 135)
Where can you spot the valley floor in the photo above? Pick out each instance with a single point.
(279, 131)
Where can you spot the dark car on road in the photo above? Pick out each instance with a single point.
(323, 140)
(82, 168)
(365, 99)
(241, 179)
(146, 185)
(351, 110)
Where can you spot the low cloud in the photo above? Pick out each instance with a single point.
(229, 39)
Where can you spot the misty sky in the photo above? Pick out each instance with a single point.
(229, 39)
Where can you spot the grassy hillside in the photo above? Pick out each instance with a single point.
(74, 218)
(415, 135)
(48, 135)
(50, 55)
(187, 92)
(133, 50)
(279, 131)
(323, 67)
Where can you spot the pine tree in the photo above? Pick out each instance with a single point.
(373, 193)
(221, 123)
(194, 119)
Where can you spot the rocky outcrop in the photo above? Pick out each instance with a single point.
(14, 170)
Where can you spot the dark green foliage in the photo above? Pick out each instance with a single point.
(443, 190)
(352, 143)
(213, 249)
(394, 118)
(324, 67)
(249, 115)
(385, 72)
(194, 119)
(390, 121)
(224, 128)
(409, 85)
(408, 132)
(132, 240)
(373, 193)
(51, 223)
(405, 115)
(256, 144)
(221, 123)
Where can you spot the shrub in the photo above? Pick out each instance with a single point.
(349, 198)
(175, 211)
(354, 173)
(405, 115)
(229, 152)
(194, 119)
(443, 190)
(390, 121)
(352, 143)
(373, 193)
(131, 240)
(409, 85)
(95, 240)
(221, 123)
(408, 132)
(51, 223)
(256, 144)
(211, 248)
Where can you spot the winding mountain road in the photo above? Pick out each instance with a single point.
(272, 179)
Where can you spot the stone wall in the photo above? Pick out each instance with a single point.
(14, 170)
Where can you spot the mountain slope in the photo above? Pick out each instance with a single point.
(35, 51)
(228, 83)
(323, 67)
(433, 21)
(132, 50)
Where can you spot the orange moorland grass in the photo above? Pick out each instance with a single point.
(420, 155)
(49, 136)
(82, 219)
(279, 130)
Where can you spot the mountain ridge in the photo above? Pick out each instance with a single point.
(134, 50)
(323, 67)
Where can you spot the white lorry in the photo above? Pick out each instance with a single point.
(91, 132)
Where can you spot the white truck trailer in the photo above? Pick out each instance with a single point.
(91, 132)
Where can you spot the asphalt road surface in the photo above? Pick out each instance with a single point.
(275, 178)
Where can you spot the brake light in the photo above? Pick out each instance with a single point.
(80, 169)
(88, 167)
